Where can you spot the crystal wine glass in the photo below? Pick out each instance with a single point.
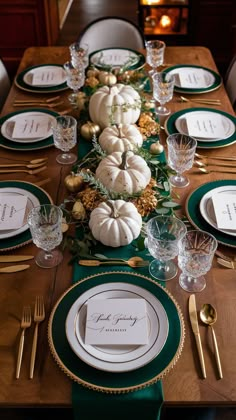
(163, 88)
(79, 54)
(64, 130)
(154, 54)
(181, 151)
(45, 226)
(75, 78)
(196, 252)
(163, 236)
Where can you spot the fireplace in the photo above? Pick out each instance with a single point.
(164, 17)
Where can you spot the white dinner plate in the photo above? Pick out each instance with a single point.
(8, 126)
(207, 208)
(31, 202)
(28, 76)
(228, 125)
(117, 57)
(117, 358)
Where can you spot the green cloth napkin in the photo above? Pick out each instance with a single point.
(89, 404)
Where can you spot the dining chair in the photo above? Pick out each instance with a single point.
(4, 83)
(112, 31)
(230, 81)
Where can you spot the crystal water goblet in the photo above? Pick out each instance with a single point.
(196, 252)
(163, 236)
(79, 54)
(64, 130)
(163, 89)
(75, 78)
(181, 151)
(154, 54)
(45, 227)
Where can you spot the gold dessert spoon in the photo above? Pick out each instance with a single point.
(208, 316)
(207, 171)
(204, 165)
(199, 156)
(132, 262)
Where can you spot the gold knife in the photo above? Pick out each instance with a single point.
(14, 268)
(194, 322)
(15, 258)
(228, 264)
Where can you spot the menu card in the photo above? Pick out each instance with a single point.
(189, 78)
(225, 210)
(12, 211)
(31, 127)
(116, 321)
(48, 77)
(209, 126)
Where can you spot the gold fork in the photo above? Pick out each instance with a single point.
(25, 323)
(39, 316)
(30, 172)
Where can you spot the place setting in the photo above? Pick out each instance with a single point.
(44, 78)
(116, 58)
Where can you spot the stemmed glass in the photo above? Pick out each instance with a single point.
(163, 236)
(75, 78)
(64, 130)
(79, 54)
(154, 54)
(45, 227)
(196, 252)
(181, 151)
(163, 88)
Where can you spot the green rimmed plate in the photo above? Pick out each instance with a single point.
(212, 79)
(170, 127)
(111, 382)
(193, 213)
(117, 57)
(23, 238)
(23, 147)
(21, 81)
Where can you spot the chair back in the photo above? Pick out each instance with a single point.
(4, 84)
(112, 32)
(230, 81)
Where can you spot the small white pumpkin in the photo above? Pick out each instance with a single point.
(115, 223)
(107, 78)
(123, 172)
(120, 138)
(118, 104)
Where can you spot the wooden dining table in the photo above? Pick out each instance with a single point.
(183, 385)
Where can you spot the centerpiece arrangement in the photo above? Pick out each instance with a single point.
(121, 178)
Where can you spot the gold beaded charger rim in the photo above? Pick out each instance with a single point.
(117, 390)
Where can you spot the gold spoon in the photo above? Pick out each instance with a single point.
(203, 101)
(199, 156)
(134, 262)
(204, 165)
(205, 171)
(208, 316)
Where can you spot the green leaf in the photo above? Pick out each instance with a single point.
(162, 211)
(170, 204)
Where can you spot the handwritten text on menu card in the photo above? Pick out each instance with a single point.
(12, 211)
(48, 77)
(209, 126)
(225, 210)
(116, 321)
(192, 78)
(31, 127)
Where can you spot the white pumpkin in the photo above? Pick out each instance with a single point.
(123, 172)
(118, 104)
(120, 138)
(115, 223)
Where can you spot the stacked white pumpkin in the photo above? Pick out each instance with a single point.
(116, 109)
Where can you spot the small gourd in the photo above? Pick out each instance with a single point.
(120, 138)
(118, 104)
(123, 172)
(89, 129)
(107, 78)
(78, 211)
(74, 182)
(115, 223)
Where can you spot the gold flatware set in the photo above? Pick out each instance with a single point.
(27, 171)
(206, 101)
(39, 316)
(49, 103)
(200, 156)
(208, 316)
(13, 259)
